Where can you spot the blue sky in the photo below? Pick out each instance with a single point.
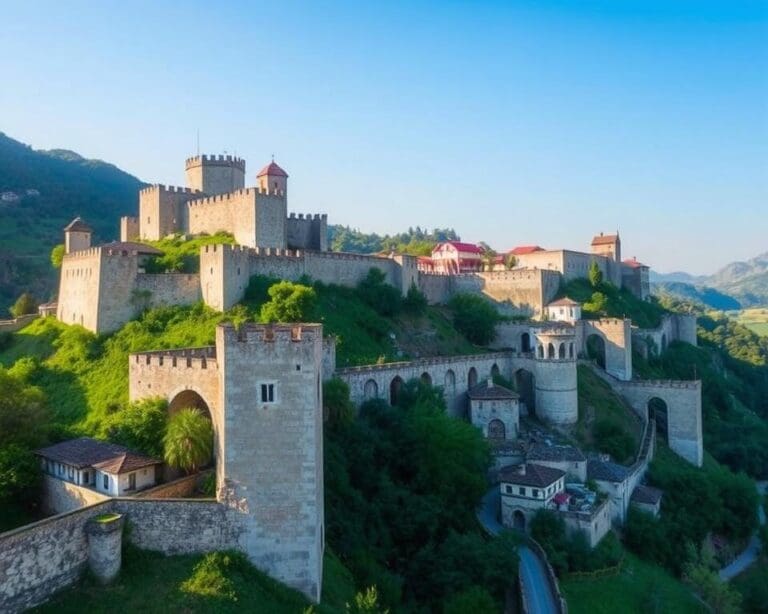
(514, 122)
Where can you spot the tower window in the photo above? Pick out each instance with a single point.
(267, 393)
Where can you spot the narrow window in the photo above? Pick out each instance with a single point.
(106, 482)
(535, 492)
(267, 393)
(521, 491)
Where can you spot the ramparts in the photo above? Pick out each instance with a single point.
(213, 160)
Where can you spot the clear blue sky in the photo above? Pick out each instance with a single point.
(514, 122)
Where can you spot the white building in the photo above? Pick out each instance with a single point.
(106, 468)
(564, 310)
(525, 489)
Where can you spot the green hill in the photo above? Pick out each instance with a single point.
(68, 185)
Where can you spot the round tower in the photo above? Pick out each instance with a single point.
(77, 236)
(273, 178)
(215, 174)
(557, 399)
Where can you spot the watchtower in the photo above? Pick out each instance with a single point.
(215, 174)
(273, 178)
(608, 246)
(77, 236)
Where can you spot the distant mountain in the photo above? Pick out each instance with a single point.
(736, 285)
(40, 192)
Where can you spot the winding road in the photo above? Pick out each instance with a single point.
(532, 571)
(752, 551)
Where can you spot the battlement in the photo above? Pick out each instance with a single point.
(190, 358)
(425, 362)
(159, 187)
(228, 196)
(555, 332)
(83, 254)
(214, 160)
(666, 383)
(308, 216)
(272, 333)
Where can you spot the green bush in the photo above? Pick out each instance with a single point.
(474, 317)
(415, 303)
(188, 440)
(611, 439)
(289, 302)
(24, 305)
(378, 294)
(57, 255)
(140, 426)
(20, 474)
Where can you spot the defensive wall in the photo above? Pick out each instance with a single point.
(162, 211)
(673, 327)
(44, 557)
(682, 399)
(307, 232)
(11, 326)
(571, 264)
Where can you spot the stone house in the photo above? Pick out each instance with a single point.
(495, 410)
(564, 310)
(647, 499)
(612, 479)
(525, 489)
(454, 257)
(569, 459)
(106, 468)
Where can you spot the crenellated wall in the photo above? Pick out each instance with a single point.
(130, 228)
(163, 210)
(307, 232)
(673, 327)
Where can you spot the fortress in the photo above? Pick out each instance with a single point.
(261, 385)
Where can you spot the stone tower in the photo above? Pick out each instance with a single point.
(270, 465)
(215, 174)
(607, 245)
(77, 236)
(272, 178)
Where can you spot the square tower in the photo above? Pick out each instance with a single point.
(270, 463)
(608, 246)
(215, 174)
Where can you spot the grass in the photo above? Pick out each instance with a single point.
(181, 254)
(639, 587)
(754, 319)
(599, 405)
(218, 582)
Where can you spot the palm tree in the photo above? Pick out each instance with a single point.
(188, 441)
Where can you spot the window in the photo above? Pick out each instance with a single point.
(267, 393)
(106, 482)
(86, 477)
(131, 481)
(535, 492)
(521, 491)
(508, 489)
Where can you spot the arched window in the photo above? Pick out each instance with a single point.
(371, 390)
(550, 351)
(496, 430)
(472, 378)
(450, 384)
(561, 351)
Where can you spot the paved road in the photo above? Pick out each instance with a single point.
(532, 570)
(752, 551)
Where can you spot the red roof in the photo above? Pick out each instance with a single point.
(522, 250)
(602, 239)
(273, 170)
(635, 263)
(562, 497)
(469, 248)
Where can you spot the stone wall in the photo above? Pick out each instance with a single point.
(557, 399)
(215, 175)
(130, 228)
(180, 488)
(170, 288)
(11, 326)
(162, 210)
(617, 338)
(673, 327)
(60, 496)
(307, 232)
(79, 288)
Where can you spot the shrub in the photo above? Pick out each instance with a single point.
(20, 474)
(140, 426)
(189, 440)
(289, 302)
(474, 317)
(378, 294)
(24, 305)
(415, 302)
(57, 256)
(595, 274)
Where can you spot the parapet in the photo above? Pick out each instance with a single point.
(227, 196)
(159, 187)
(308, 216)
(273, 333)
(213, 160)
(196, 358)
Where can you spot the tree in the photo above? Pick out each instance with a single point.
(24, 305)
(488, 256)
(474, 317)
(415, 302)
(595, 274)
(510, 261)
(188, 441)
(23, 412)
(140, 426)
(20, 474)
(378, 294)
(289, 302)
(338, 410)
(57, 255)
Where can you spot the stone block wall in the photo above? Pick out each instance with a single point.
(176, 489)
(307, 232)
(617, 337)
(79, 288)
(60, 496)
(170, 288)
(163, 210)
(557, 399)
(11, 326)
(130, 229)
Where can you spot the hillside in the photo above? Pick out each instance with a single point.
(68, 185)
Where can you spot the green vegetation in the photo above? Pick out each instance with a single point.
(69, 186)
(606, 300)
(752, 584)
(475, 317)
(572, 553)
(289, 302)
(181, 254)
(402, 486)
(416, 242)
(755, 320)
(188, 441)
(106, 518)
(57, 255)
(606, 424)
(218, 582)
(24, 305)
(140, 426)
(638, 587)
(697, 502)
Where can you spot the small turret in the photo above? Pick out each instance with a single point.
(272, 178)
(77, 236)
(215, 174)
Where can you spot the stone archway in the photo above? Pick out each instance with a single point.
(561, 351)
(596, 349)
(571, 353)
(371, 390)
(659, 411)
(426, 378)
(551, 351)
(395, 388)
(496, 430)
(518, 520)
(495, 371)
(188, 398)
(450, 384)
(472, 377)
(525, 385)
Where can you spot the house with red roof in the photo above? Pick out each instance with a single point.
(453, 257)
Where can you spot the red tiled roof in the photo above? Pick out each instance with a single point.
(272, 169)
(634, 263)
(564, 302)
(125, 463)
(605, 239)
(469, 248)
(522, 250)
(87, 452)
